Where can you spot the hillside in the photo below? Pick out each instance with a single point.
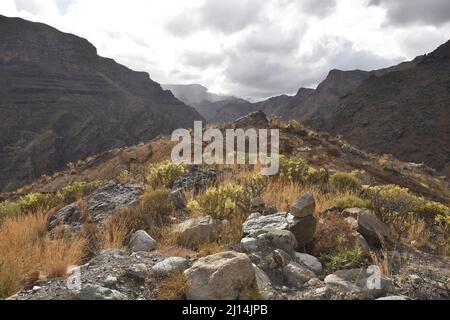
(60, 101)
(405, 113)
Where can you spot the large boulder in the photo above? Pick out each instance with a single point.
(302, 228)
(197, 230)
(309, 261)
(141, 241)
(296, 275)
(99, 205)
(277, 239)
(368, 283)
(170, 265)
(303, 207)
(373, 230)
(221, 276)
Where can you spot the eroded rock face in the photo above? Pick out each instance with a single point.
(99, 205)
(62, 102)
(196, 230)
(220, 276)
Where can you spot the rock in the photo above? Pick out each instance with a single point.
(196, 179)
(353, 223)
(302, 228)
(280, 258)
(373, 230)
(96, 292)
(141, 241)
(309, 261)
(100, 204)
(137, 272)
(296, 275)
(254, 215)
(197, 230)
(352, 212)
(36, 288)
(270, 209)
(393, 298)
(303, 207)
(110, 281)
(263, 284)
(170, 265)
(257, 120)
(361, 241)
(221, 276)
(322, 293)
(249, 245)
(277, 239)
(369, 282)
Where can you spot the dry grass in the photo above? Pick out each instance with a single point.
(173, 287)
(207, 249)
(26, 251)
(382, 261)
(283, 195)
(115, 234)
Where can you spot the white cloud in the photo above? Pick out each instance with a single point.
(250, 48)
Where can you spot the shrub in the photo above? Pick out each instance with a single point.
(218, 202)
(353, 257)
(77, 190)
(34, 202)
(9, 209)
(349, 201)
(296, 169)
(156, 207)
(164, 174)
(343, 182)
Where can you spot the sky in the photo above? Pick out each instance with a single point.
(248, 48)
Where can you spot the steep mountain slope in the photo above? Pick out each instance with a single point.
(405, 112)
(198, 97)
(60, 101)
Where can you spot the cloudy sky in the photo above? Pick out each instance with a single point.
(249, 48)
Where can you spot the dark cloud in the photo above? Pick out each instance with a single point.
(262, 75)
(320, 8)
(428, 12)
(226, 16)
(202, 60)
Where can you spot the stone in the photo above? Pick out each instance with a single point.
(303, 207)
(110, 281)
(197, 230)
(280, 258)
(137, 272)
(249, 244)
(369, 282)
(257, 204)
(219, 277)
(254, 215)
(302, 228)
(196, 179)
(96, 292)
(297, 275)
(141, 241)
(352, 212)
(309, 261)
(178, 199)
(361, 241)
(277, 239)
(257, 120)
(263, 284)
(373, 230)
(321, 293)
(100, 204)
(170, 265)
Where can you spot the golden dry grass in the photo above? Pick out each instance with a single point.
(27, 251)
(173, 287)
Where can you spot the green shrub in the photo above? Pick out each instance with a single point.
(156, 207)
(349, 201)
(354, 257)
(34, 202)
(296, 169)
(164, 174)
(9, 209)
(343, 181)
(218, 202)
(77, 190)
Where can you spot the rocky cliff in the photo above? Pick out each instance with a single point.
(60, 102)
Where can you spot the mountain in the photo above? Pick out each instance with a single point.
(199, 97)
(405, 112)
(60, 102)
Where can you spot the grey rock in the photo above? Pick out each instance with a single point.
(219, 277)
(178, 199)
(280, 258)
(137, 272)
(263, 284)
(197, 230)
(254, 215)
(249, 245)
(100, 204)
(304, 206)
(110, 281)
(309, 261)
(303, 229)
(393, 298)
(170, 265)
(96, 292)
(257, 120)
(373, 230)
(277, 239)
(296, 275)
(141, 241)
